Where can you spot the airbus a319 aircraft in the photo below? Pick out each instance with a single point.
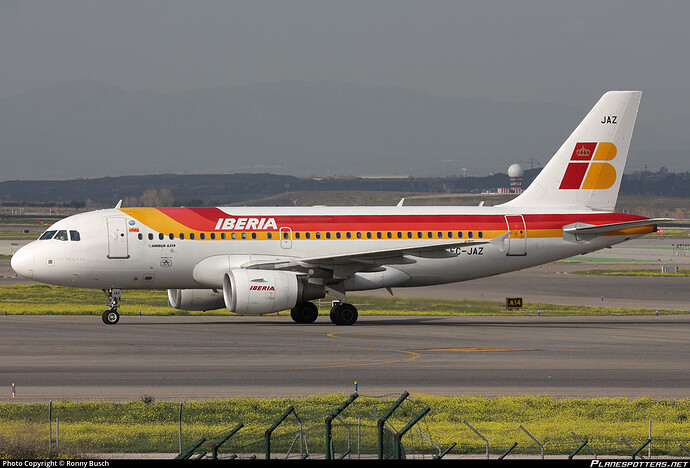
(265, 260)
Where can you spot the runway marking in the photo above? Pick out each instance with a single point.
(479, 350)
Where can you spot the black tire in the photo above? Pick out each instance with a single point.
(304, 312)
(110, 317)
(344, 314)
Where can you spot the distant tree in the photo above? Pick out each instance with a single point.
(130, 201)
(153, 197)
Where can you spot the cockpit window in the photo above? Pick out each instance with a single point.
(47, 235)
(61, 235)
(74, 235)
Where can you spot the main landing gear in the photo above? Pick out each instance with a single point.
(111, 316)
(342, 313)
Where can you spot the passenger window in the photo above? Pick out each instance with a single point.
(150, 236)
(61, 235)
(47, 235)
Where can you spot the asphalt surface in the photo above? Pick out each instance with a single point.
(49, 358)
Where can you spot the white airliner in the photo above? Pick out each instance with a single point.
(264, 260)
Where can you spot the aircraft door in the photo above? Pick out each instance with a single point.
(517, 240)
(286, 237)
(117, 238)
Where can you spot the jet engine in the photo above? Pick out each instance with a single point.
(265, 291)
(195, 299)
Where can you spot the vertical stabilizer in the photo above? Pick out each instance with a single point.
(586, 172)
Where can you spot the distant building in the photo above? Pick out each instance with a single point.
(515, 173)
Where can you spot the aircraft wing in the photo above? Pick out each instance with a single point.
(365, 259)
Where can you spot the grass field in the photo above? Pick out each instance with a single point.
(656, 272)
(56, 300)
(140, 427)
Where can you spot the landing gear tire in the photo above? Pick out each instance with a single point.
(344, 314)
(110, 317)
(304, 312)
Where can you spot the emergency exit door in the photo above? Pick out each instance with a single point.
(517, 239)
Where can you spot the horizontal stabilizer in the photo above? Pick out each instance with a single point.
(599, 229)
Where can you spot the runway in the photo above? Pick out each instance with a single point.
(51, 358)
(76, 358)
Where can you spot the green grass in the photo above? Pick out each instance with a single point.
(656, 272)
(139, 427)
(56, 300)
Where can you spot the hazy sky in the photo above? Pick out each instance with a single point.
(568, 52)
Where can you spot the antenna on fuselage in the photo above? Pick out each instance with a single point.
(119, 204)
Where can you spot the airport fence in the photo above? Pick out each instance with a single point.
(362, 426)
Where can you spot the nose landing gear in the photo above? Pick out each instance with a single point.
(111, 316)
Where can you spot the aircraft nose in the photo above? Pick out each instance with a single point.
(23, 262)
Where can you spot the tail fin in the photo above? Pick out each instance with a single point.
(586, 172)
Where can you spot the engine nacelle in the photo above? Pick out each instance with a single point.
(265, 291)
(195, 299)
